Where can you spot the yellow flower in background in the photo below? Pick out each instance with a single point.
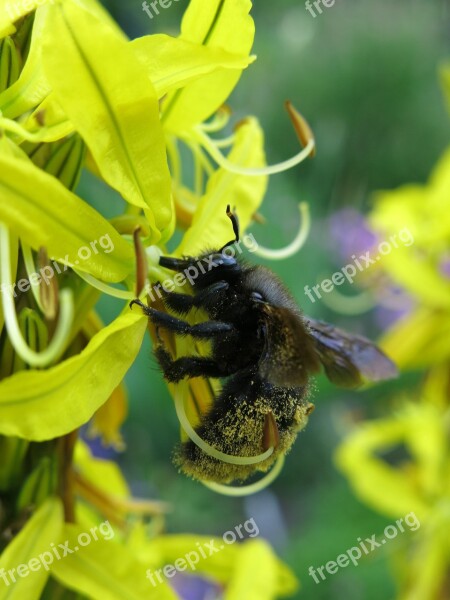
(400, 464)
(418, 482)
(422, 337)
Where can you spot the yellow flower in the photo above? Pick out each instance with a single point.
(66, 104)
(419, 483)
(422, 338)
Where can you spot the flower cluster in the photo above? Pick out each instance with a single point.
(420, 425)
(76, 93)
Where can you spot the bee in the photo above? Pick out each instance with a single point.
(263, 351)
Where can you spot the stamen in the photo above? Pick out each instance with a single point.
(296, 244)
(31, 268)
(104, 287)
(246, 490)
(174, 158)
(141, 262)
(63, 328)
(304, 134)
(49, 292)
(198, 169)
(219, 121)
(207, 449)
(225, 142)
(198, 154)
(58, 131)
(349, 305)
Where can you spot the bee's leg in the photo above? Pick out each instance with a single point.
(208, 296)
(183, 303)
(188, 366)
(206, 330)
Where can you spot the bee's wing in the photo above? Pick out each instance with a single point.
(349, 359)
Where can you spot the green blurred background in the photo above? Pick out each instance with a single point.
(365, 75)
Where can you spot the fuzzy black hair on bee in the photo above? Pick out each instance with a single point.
(264, 351)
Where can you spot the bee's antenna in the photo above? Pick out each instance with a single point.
(231, 214)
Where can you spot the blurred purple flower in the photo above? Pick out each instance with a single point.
(392, 306)
(191, 587)
(350, 234)
(97, 447)
(444, 266)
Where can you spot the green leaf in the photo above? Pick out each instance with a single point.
(104, 569)
(38, 208)
(112, 104)
(41, 405)
(210, 226)
(43, 529)
(173, 63)
(223, 24)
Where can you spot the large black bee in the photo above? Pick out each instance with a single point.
(264, 350)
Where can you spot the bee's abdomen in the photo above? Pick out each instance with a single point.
(235, 426)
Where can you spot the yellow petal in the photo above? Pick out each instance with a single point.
(421, 339)
(43, 528)
(13, 10)
(172, 63)
(48, 122)
(110, 417)
(104, 569)
(103, 473)
(210, 226)
(112, 104)
(415, 221)
(370, 476)
(107, 421)
(31, 87)
(42, 405)
(259, 575)
(224, 24)
(43, 212)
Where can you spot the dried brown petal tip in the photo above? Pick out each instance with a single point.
(301, 126)
(40, 117)
(309, 409)
(259, 218)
